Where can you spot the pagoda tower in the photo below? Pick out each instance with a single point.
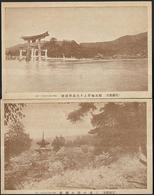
(43, 145)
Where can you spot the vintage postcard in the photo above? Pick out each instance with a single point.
(76, 50)
(71, 147)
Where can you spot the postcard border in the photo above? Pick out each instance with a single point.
(104, 191)
(53, 95)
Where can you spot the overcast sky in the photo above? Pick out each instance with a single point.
(52, 119)
(80, 24)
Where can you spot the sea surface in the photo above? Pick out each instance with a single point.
(76, 76)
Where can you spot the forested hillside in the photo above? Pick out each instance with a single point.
(129, 46)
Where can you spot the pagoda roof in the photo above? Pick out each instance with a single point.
(43, 142)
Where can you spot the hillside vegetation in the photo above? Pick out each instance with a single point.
(129, 46)
(112, 155)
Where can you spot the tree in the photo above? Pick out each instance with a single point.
(53, 41)
(13, 113)
(78, 114)
(115, 124)
(58, 142)
(16, 140)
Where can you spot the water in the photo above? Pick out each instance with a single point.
(79, 76)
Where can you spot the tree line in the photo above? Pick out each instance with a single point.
(124, 47)
(114, 125)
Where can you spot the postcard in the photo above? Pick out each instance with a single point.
(76, 50)
(91, 146)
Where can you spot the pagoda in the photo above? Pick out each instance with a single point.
(43, 145)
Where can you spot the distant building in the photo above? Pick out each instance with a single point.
(43, 145)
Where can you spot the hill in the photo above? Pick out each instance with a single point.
(129, 46)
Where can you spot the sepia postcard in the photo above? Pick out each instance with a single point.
(76, 50)
(76, 113)
(89, 146)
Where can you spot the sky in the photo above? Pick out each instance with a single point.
(80, 24)
(52, 119)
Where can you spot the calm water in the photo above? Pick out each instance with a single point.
(80, 75)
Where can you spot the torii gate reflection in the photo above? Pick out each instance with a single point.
(34, 47)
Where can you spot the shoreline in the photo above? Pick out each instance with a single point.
(81, 59)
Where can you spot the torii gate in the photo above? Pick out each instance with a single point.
(32, 42)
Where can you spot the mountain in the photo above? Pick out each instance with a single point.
(129, 46)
